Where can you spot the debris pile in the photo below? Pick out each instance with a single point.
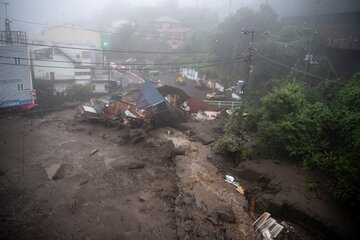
(267, 227)
(147, 107)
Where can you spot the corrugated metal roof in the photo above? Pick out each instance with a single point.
(149, 96)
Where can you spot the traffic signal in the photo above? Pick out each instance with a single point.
(105, 44)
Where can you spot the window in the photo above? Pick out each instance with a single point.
(20, 87)
(85, 54)
(17, 60)
(82, 73)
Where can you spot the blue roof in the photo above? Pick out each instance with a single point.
(149, 96)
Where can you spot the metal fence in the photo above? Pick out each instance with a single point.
(224, 104)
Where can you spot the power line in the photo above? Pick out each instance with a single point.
(73, 55)
(84, 28)
(109, 50)
(62, 26)
(297, 70)
(64, 67)
(127, 64)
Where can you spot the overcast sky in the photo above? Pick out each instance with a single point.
(59, 11)
(73, 10)
(86, 11)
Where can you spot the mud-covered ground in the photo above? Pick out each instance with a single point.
(112, 183)
(160, 184)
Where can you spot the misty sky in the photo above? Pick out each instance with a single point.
(85, 12)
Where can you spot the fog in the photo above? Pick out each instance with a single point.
(120, 119)
(92, 13)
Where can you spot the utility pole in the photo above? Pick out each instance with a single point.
(249, 59)
(309, 55)
(109, 74)
(230, 5)
(7, 25)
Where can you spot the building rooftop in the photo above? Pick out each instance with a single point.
(167, 20)
(175, 30)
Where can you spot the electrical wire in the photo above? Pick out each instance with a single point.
(127, 64)
(297, 70)
(58, 26)
(64, 67)
(73, 55)
(110, 50)
(88, 29)
(78, 28)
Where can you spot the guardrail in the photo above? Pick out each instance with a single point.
(224, 104)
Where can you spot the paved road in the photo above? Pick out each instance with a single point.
(127, 77)
(165, 79)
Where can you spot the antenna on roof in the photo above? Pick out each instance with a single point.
(7, 25)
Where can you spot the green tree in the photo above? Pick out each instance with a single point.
(323, 135)
(79, 92)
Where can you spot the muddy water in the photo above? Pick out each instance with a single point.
(200, 178)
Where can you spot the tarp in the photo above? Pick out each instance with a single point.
(149, 96)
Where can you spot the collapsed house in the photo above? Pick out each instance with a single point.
(145, 107)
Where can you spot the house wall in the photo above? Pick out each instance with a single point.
(61, 66)
(78, 64)
(75, 36)
(15, 76)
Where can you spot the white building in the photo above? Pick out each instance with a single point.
(65, 56)
(64, 67)
(15, 76)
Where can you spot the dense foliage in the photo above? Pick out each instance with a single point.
(79, 92)
(48, 97)
(320, 134)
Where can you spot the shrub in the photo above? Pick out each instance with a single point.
(229, 144)
(79, 92)
(321, 135)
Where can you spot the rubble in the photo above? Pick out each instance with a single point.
(147, 107)
(231, 180)
(84, 181)
(179, 151)
(135, 165)
(267, 227)
(120, 165)
(202, 137)
(225, 214)
(94, 151)
(213, 219)
(53, 171)
(203, 116)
